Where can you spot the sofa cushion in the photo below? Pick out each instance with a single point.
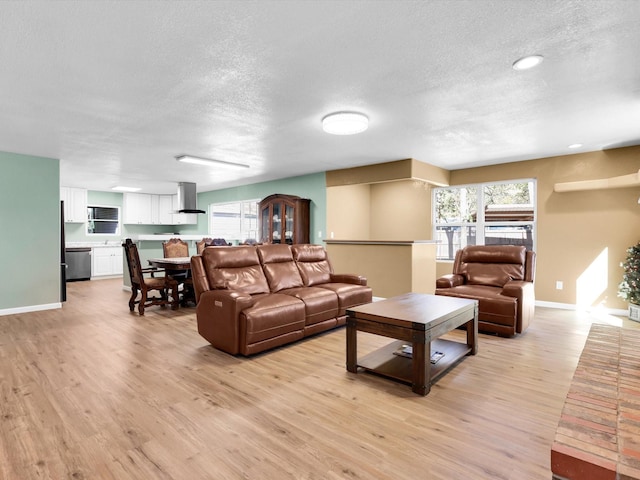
(349, 294)
(313, 264)
(235, 268)
(319, 303)
(270, 316)
(279, 268)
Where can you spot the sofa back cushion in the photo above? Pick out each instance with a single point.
(492, 265)
(236, 268)
(313, 264)
(278, 266)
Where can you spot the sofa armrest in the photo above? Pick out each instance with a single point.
(218, 316)
(348, 278)
(449, 281)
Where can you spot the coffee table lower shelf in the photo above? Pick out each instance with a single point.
(384, 362)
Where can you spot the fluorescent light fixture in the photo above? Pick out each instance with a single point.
(345, 123)
(208, 161)
(575, 145)
(126, 189)
(525, 63)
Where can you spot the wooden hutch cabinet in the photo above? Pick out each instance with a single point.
(284, 219)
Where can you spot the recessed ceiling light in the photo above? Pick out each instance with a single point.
(208, 161)
(345, 123)
(120, 188)
(525, 63)
(575, 145)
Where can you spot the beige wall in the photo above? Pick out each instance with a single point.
(390, 269)
(581, 236)
(386, 201)
(400, 211)
(348, 210)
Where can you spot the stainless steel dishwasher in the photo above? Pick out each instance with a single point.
(78, 263)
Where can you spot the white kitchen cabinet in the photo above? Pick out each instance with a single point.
(147, 209)
(106, 261)
(163, 205)
(75, 204)
(137, 208)
(183, 218)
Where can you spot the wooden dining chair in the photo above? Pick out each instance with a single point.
(166, 286)
(172, 248)
(205, 242)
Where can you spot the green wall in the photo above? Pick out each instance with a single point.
(30, 243)
(306, 186)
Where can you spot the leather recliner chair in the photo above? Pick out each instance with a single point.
(501, 278)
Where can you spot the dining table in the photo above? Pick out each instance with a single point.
(174, 263)
(178, 263)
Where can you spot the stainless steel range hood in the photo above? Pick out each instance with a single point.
(187, 198)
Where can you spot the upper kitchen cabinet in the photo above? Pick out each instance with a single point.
(147, 209)
(164, 211)
(137, 208)
(75, 204)
(284, 219)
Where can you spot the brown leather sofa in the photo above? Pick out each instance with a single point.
(501, 278)
(253, 298)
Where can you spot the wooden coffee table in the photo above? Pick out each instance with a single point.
(414, 319)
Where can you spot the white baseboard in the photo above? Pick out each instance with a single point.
(30, 308)
(569, 306)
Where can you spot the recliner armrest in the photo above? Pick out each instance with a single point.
(348, 278)
(516, 288)
(450, 280)
(524, 292)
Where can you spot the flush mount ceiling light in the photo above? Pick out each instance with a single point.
(525, 63)
(120, 188)
(574, 145)
(345, 123)
(208, 161)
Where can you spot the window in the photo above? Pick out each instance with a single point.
(234, 220)
(103, 220)
(484, 214)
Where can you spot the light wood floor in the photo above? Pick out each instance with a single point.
(92, 391)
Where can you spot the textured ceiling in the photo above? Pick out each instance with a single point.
(116, 90)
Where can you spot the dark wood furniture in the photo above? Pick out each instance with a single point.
(177, 248)
(416, 320)
(208, 242)
(166, 286)
(177, 263)
(179, 269)
(205, 242)
(174, 247)
(284, 219)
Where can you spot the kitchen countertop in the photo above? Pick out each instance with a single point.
(168, 236)
(110, 243)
